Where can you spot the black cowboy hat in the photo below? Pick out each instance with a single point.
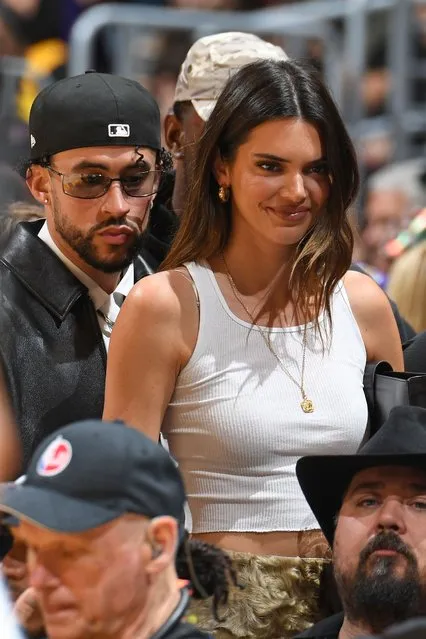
(324, 479)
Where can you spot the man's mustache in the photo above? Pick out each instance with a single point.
(386, 541)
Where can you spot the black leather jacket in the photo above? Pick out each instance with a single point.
(51, 346)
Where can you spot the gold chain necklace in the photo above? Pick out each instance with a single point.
(306, 404)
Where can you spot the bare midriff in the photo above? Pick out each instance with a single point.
(304, 543)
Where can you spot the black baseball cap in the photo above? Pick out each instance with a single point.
(92, 472)
(93, 109)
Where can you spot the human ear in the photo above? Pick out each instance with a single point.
(162, 536)
(174, 136)
(37, 179)
(222, 171)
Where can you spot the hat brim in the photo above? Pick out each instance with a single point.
(204, 108)
(52, 510)
(325, 479)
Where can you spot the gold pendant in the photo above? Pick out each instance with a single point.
(307, 405)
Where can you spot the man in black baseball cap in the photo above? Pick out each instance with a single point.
(372, 508)
(95, 164)
(99, 510)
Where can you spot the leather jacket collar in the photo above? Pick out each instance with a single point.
(40, 271)
(44, 275)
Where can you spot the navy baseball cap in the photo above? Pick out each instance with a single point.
(93, 109)
(92, 472)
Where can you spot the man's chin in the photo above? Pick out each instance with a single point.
(111, 263)
(391, 566)
(65, 624)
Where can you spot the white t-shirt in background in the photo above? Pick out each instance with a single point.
(9, 627)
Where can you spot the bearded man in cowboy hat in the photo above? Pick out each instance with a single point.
(372, 508)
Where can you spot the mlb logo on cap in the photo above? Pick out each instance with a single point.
(55, 458)
(118, 130)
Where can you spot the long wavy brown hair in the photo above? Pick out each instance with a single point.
(260, 92)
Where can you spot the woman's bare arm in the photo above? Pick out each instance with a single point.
(10, 445)
(151, 342)
(375, 318)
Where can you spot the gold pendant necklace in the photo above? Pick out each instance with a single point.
(306, 404)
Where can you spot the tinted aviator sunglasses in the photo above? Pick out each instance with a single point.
(87, 186)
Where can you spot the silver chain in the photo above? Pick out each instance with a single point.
(109, 322)
(306, 404)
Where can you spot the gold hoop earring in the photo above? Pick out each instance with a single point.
(223, 193)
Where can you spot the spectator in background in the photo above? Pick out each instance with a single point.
(231, 5)
(407, 285)
(395, 194)
(371, 507)
(13, 215)
(99, 510)
(28, 22)
(12, 188)
(208, 65)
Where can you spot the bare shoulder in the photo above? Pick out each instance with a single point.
(163, 294)
(375, 318)
(365, 296)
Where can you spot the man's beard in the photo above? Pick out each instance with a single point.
(376, 597)
(85, 248)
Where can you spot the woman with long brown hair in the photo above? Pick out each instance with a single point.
(249, 349)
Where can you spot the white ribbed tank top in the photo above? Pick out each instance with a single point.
(235, 425)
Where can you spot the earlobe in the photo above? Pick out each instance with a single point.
(38, 184)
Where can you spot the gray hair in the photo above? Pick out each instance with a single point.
(405, 177)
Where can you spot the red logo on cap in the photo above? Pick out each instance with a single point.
(55, 458)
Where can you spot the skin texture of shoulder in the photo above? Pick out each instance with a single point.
(375, 319)
(151, 342)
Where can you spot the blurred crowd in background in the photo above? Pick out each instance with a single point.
(391, 216)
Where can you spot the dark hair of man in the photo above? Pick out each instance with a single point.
(164, 161)
(208, 568)
(179, 109)
(261, 92)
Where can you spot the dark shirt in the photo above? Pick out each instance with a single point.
(180, 631)
(163, 225)
(186, 631)
(406, 331)
(176, 627)
(415, 354)
(328, 628)
(163, 221)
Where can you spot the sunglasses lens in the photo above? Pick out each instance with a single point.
(92, 185)
(86, 186)
(141, 184)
